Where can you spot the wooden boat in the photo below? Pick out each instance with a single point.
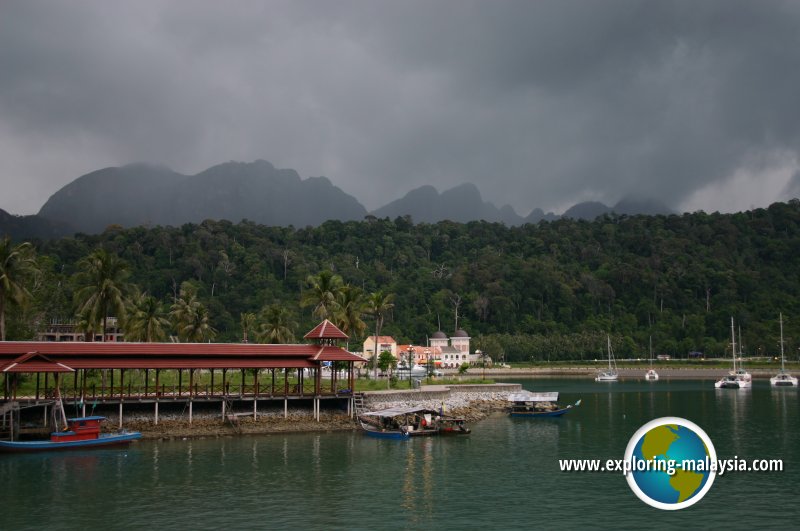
(407, 422)
(451, 425)
(81, 432)
(529, 404)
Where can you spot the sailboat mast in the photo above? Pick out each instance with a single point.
(733, 344)
(782, 358)
(608, 337)
(651, 352)
(741, 354)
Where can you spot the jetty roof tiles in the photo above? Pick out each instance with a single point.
(34, 362)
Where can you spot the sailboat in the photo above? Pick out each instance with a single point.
(783, 378)
(611, 374)
(737, 378)
(651, 375)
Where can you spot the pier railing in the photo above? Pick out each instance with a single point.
(198, 391)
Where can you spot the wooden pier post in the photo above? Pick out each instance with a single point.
(285, 408)
(156, 415)
(120, 413)
(223, 408)
(190, 410)
(255, 408)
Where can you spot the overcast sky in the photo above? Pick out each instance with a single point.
(539, 103)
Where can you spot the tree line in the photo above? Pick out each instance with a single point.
(552, 290)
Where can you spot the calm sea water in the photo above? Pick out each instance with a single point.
(503, 476)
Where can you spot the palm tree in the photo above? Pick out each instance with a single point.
(248, 322)
(17, 263)
(377, 306)
(147, 320)
(86, 326)
(190, 317)
(277, 325)
(351, 304)
(104, 288)
(322, 293)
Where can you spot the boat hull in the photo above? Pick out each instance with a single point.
(386, 434)
(738, 384)
(606, 378)
(783, 382)
(536, 414)
(45, 446)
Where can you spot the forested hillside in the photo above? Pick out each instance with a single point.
(550, 290)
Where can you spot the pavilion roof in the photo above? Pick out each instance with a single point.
(326, 330)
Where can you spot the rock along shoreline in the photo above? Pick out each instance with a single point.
(472, 402)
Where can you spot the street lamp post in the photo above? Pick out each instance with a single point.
(429, 362)
(410, 361)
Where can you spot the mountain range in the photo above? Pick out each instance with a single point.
(146, 194)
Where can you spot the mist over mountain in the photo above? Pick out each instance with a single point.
(142, 194)
(630, 206)
(147, 194)
(461, 204)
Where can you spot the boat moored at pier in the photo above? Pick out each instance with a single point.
(81, 433)
(407, 422)
(528, 404)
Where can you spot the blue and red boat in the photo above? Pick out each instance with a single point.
(81, 433)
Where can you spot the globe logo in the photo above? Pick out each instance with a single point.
(671, 463)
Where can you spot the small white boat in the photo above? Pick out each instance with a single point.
(651, 375)
(611, 374)
(783, 378)
(737, 378)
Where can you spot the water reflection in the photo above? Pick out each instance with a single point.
(355, 482)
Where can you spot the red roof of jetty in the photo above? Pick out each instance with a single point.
(113, 348)
(65, 356)
(35, 362)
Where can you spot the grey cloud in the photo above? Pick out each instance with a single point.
(539, 103)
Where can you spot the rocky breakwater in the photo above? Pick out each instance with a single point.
(207, 425)
(472, 402)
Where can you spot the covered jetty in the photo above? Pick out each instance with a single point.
(197, 372)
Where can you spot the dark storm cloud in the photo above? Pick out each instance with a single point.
(539, 103)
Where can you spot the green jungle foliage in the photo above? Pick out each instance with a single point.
(548, 291)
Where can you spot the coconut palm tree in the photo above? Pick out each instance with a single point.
(104, 287)
(322, 293)
(87, 326)
(351, 305)
(147, 320)
(190, 317)
(377, 305)
(277, 325)
(17, 264)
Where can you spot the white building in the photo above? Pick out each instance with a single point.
(453, 351)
